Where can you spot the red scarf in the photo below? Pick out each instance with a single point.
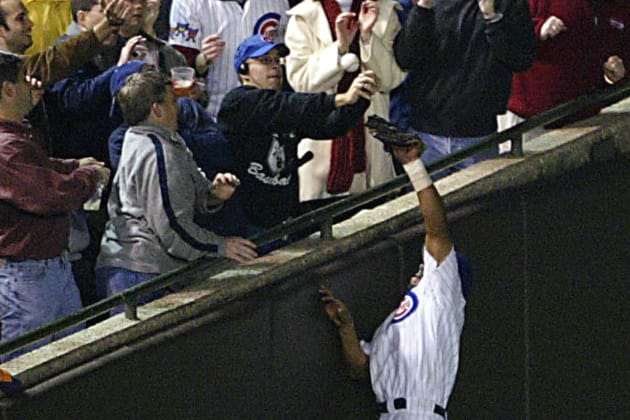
(348, 152)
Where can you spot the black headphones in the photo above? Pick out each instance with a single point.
(243, 68)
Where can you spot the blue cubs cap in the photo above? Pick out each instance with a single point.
(465, 273)
(256, 46)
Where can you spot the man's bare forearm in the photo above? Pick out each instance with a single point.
(356, 359)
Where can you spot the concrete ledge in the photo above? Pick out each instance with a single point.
(603, 137)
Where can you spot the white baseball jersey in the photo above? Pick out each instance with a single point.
(193, 20)
(414, 354)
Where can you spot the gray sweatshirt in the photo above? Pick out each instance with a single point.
(156, 192)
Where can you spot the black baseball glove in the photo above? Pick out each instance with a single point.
(390, 134)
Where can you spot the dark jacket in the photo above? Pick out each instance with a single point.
(52, 65)
(264, 127)
(463, 65)
(211, 150)
(79, 112)
(399, 107)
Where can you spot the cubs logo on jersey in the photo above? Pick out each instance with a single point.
(407, 307)
(267, 26)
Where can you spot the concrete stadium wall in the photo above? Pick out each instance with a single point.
(545, 335)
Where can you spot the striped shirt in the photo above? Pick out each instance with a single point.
(193, 20)
(414, 354)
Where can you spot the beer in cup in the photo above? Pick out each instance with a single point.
(183, 79)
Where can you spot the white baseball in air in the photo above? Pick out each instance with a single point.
(350, 62)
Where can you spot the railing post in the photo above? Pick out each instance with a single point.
(517, 145)
(325, 230)
(131, 307)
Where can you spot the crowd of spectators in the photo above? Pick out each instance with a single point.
(276, 118)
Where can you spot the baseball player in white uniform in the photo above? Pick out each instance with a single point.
(208, 32)
(413, 357)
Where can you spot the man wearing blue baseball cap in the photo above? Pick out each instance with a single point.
(264, 124)
(413, 356)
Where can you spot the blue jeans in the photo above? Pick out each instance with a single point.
(34, 293)
(114, 280)
(438, 147)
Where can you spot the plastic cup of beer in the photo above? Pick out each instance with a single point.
(183, 79)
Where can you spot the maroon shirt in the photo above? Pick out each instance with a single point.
(36, 195)
(566, 66)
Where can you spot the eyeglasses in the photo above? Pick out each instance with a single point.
(269, 60)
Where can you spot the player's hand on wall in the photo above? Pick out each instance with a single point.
(336, 310)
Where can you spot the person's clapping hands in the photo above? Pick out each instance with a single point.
(551, 28)
(115, 12)
(367, 18)
(346, 27)
(151, 14)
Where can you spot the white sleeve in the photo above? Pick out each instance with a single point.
(310, 69)
(442, 279)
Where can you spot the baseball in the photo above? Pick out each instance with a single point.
(350, 62)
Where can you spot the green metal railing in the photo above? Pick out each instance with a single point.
(321, 218)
